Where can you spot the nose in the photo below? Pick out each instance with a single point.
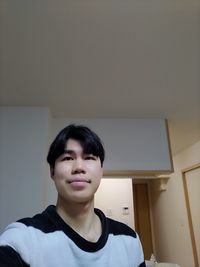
(78, 166)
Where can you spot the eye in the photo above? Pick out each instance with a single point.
(67, 158)
(90, 157)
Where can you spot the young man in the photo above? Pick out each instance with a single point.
(72, 233)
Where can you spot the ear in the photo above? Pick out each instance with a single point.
(52, 172)
(102, 171)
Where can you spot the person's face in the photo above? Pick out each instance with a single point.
(77, 175)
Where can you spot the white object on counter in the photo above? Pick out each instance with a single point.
(150, 263)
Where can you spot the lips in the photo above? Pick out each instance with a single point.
(79, 180)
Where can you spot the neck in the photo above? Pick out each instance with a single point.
(81, 218)
(74, 211)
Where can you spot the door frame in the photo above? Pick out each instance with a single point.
(148, 215)
(189, 213)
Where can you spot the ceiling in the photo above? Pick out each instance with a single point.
(105, 59)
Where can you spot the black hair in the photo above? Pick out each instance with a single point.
(88, 139)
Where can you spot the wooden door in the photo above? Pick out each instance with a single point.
(142, 217)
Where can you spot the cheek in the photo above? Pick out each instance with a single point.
(97, 173)
(96, 183)
(59, 180)
(60, 173)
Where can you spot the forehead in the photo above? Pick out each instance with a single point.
(73, 145)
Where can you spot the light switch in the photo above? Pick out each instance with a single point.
(125, 210)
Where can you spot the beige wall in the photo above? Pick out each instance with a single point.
(170, 221)
(193, 187)
(112, 196)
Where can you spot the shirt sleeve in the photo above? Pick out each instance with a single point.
(14, 246)
(10, 258)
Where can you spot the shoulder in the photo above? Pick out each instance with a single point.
(15, 237)
(119, 228)
(13, 231)
(115, 227)
(20, 235)
(126, 240)
(20, 230)
(42, 221)
(123, 239)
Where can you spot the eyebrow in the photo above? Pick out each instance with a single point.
(72, 152)
(68, 151)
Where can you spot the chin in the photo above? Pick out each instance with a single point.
(83, 199)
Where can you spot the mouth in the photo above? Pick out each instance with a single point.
(79, 181)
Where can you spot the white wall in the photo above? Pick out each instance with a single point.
(172, 237)
(24, 134)
(112, 196)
